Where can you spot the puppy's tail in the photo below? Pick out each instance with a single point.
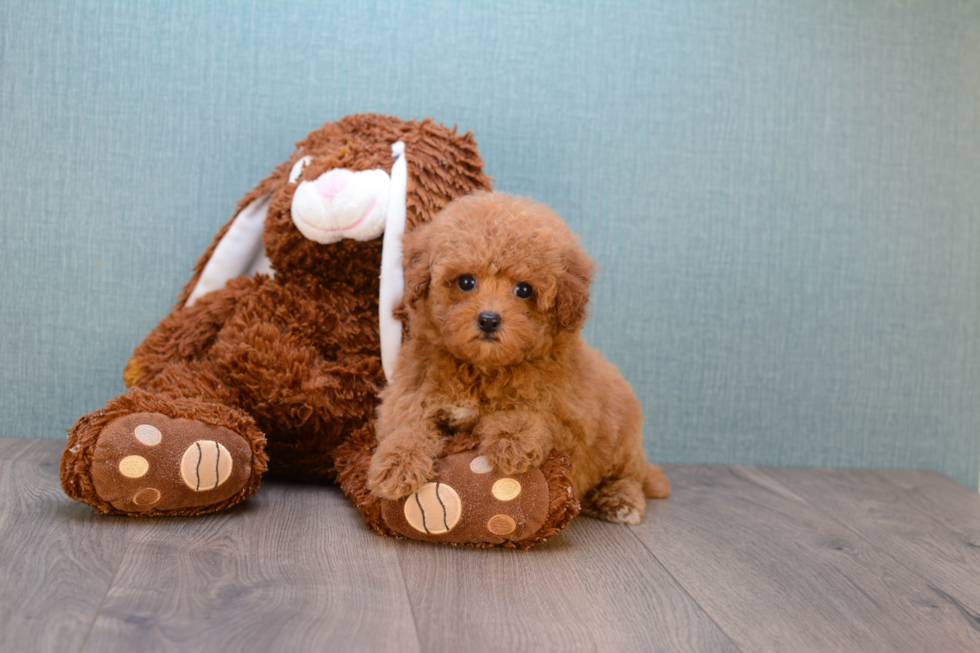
(655, 484)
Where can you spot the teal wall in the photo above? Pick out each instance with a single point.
(783, 197)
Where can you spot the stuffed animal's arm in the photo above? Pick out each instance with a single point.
(515, 440)
(185, 334)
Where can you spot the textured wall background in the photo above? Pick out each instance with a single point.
(784, 198)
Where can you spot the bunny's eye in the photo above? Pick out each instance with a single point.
(523, 290)
(297, 169)
(466, 283)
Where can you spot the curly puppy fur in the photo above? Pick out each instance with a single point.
(524, 381)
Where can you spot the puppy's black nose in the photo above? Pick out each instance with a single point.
(489, 322)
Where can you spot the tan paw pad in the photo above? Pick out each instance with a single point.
(206, 464)
(146, 497)
(506, 489)
(435, 508)
(501, 525)
(134, 466)
(148, 434)
(480, 465)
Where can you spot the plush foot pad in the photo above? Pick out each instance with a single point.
(470, 503)
(150, 462)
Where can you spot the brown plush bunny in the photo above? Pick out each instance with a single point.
(277, 348)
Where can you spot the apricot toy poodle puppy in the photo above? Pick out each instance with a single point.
(496, 289)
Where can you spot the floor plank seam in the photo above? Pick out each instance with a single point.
(847, 525)
(408, 599)
(922, 510)
(884, 553)
(684, 589)
(112, 581)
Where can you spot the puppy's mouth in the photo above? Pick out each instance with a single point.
(488, 337)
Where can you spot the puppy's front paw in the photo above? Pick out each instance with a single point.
(629, 515)
(510, 455)
(395, 473)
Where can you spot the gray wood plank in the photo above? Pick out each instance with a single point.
(31, 449)
(291, 569)
(592, 588)
(769, 559)
(776, 574)
(57, 557)
(888, 517)
(955, 506)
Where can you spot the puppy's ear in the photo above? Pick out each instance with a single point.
(573, 290)
(417, 260)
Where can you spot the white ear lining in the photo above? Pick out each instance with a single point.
(239, 251)
(392, 274)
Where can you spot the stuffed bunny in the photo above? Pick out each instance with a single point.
(276, 350)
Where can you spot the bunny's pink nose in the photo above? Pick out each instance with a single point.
(330, 183)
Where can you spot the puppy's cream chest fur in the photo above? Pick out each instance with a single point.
(463, 418)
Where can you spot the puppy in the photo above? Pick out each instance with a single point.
(496, 289)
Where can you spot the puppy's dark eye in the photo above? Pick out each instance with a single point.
(467, 282)
(523, 290)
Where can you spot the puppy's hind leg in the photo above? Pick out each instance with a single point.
(619, 500)
(655, 484)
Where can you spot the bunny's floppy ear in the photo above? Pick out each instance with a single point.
(392, 278)
(237, 251)
(573, 290)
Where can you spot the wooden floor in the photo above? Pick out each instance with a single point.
(738, 559)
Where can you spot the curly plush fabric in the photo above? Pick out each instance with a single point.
(290, 361)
